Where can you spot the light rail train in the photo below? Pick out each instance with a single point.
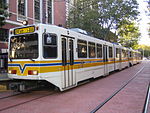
(62, 57)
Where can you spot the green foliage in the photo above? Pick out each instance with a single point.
(129, 33)
(145, 49)
(149, 30)
(113, 12)
(148, 7)
(148, 14)
(101, 16)
(85, 15)
(3, 12)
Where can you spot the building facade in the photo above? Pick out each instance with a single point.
(34, 11)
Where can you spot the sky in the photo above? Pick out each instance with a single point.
(145, 39)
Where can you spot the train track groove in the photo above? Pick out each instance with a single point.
(116, 92)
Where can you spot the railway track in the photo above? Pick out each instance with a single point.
(12, 94)
(146, 104)
(24, 102)
(28, 98)
(99, 106)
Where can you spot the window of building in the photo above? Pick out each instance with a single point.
(3, 4)
(49, 11)
(82, 48)
(50, 46)
(37, 10)
(99, 50)
(4, 34)
(110, 52)
(91, 47)
(22, 9)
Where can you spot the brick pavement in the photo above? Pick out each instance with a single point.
(85, 98)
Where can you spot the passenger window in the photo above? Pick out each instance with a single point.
(82, 49)
(99, 50)
(127, 53)
(123, 53)
(130, 54)
(117, 53)
(110, 52)
(49, 45)
(91, 47)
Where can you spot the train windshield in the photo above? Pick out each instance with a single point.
(24, 46)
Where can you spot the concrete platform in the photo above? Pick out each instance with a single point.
(84, 98)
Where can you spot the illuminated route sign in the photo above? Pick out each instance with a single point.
(24, 30)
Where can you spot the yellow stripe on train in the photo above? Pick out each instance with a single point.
(22, 70)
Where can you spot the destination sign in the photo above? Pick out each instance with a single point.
(24, 30)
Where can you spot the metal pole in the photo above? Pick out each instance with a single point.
(143, 53)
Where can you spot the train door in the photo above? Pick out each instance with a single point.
(105, 59)
(68, 62)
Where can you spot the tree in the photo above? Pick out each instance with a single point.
(145, 49)
(149, 15)
(102, 16)
(148, 7)
(129, 33)
(114, 12)
(3, 12)
(85, 15)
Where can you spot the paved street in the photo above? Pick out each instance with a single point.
(84, 98)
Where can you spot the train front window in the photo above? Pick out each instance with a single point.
(24, 47)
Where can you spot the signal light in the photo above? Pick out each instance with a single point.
(32, 72)
(25, 22)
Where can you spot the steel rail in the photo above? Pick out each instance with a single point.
(145, 108)
(116, 92)
(21, 103)
(16, 94)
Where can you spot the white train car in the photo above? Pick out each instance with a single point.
(61, 56)
(124, 58)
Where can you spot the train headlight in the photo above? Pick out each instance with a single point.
(12, 71)
(32, 72)
(9, 72)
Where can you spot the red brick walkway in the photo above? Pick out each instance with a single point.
(85, 98)
(131, 99)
